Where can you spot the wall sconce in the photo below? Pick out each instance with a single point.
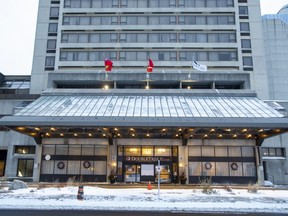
(181, 165)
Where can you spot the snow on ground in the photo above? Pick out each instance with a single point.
(97, 198)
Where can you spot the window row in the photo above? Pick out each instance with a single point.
(145, 38)
(150, 20)
(146, 4)
(143, 56)
(147, 151)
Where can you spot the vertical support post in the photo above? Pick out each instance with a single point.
(159, 179)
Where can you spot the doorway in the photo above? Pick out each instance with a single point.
(132, 173)
(3, 156)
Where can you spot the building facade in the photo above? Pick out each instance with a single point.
(89, 123)
(275, 29)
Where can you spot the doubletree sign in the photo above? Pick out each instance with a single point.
(147, 159)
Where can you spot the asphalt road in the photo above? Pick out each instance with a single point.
(121, 213)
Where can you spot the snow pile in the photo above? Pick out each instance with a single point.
(95, 198)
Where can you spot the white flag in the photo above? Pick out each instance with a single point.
(198, 66)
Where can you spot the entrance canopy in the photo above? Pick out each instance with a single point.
(197, 115)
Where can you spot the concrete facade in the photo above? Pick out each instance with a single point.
(72, 40)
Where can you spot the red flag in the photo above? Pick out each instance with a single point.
(150, 66)
(108, 65)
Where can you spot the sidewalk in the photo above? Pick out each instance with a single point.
(182, 198)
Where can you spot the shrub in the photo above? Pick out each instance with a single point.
(206, 185)
(253, 188)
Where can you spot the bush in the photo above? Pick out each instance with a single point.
(206, 185)
(3, 183)
(253, 188)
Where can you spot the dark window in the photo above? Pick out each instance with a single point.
(25, 168)
(273, 152)
(53, 27)
(54, 12)
(25, 149)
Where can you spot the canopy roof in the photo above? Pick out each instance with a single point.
(148, 111)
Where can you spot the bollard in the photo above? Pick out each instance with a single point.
(80, 195)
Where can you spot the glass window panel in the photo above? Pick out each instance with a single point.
(272, 152)
(100, 167)
(247, 61)
(153, 37)
(208, 168)
(120, 150)
(75, 3)
(87, 150)
(84, 20)
(87, 171)
(61, 150)
(163, 151)
(280, 152)
(53, 27)
(96, 4)
(243, 10)
(234, 151)
(207, 151)
(54, 11)
(105, 20)
(211, 3)
(246, 43)
(82, 56)
(25, 168)
(48, 150)
(131, 20)
(95, 20)
(202, 56)
(222, 169)
(265, 151)
(50, 61)
(85, 4)
(247, 152)
(51, 44)
(101, 151)
(212, 20)
(94, 38)
(238, 171)
(244, 26)
(199, 3)
(195, 168)
(142, 56)
(47, 167)
(200, 20)
(213, 38)
(83, 38)
(131, 56)
(142, 38)
(147, 151)
(249, 169)
(221, 151)
(94, 56)
(73, 167)
(132, 151)
(154, 20)
(74, 150)
(201, 37)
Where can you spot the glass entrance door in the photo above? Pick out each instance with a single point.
(165, 173)
(132, 173)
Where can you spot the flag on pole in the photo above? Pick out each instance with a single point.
(108, 65)
(198, 66)
(150, 66)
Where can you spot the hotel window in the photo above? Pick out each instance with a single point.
(85, 4)
(244, 26)
(246, 44)
(163, 151)
(273, 152)
(51, 44)
(147, 151)
(25, 168)
(132, 151)
(247, 61)
(53, 27)
(24, 149)
(50, 61)
(54, 12)
(243, 10)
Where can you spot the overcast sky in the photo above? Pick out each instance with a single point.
(18, 24)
